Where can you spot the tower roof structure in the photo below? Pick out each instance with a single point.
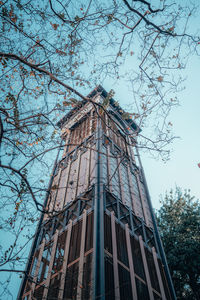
(99, 90)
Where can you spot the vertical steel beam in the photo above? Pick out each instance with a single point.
(98, 257)
(146, 268)
(130, 260)
(37, 270)
(158, 274)
(65, 261)
(53, 251)
(82, 254)
(115, 263)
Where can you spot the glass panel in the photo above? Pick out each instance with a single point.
(87, 273)
(164, 280)
(137, 258)
(34, 266)
(80, 131)
(121, 245)
(40, 271)
(83, 180)
(152, 270)
(114, 176)
(72, 182)
(38, 293)
(109, 279)
(107, 234)
(116, 136)
(125, 185)
(75, 242)
(136, 197)
(142, 290)
(58, 259)
(54, 287)
(94, 121)
(125, 284)
(93, 164)
(104, 178)
(53, 193)
(89, 233)
(71, 282)
(44, 265)
(146, 203)
(60, 199)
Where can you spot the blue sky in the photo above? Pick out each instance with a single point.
(181, 169)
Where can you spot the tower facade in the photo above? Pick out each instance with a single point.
(99, 239)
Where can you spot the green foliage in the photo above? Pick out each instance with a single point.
(179, 223)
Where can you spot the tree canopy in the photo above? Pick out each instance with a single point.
(179, 224)
(56, 49)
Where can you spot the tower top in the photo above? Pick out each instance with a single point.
(116, 109)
